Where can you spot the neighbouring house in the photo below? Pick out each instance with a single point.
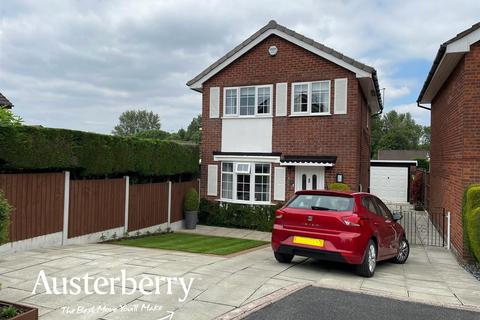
(402, 154)
(452, 89)
(4, 102)
(282, 113)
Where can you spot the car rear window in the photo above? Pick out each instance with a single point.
(321, 202)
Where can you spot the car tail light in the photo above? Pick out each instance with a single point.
(279, 216)
(351, 221)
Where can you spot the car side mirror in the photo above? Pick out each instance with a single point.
(397, 216)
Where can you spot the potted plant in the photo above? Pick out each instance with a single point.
(11, 311)
(190, 208)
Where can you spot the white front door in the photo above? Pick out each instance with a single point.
(309, 178)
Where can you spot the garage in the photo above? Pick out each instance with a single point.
(390, 179)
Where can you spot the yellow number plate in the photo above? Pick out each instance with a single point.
(309, 241)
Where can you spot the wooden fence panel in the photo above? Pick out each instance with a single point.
(96, 205)
(37, 199)
(179, 189)
(147, 205)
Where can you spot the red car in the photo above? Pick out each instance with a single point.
(355, 228)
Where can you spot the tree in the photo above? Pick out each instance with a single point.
(395, 131)
(8, 119)
(154, 134)
(133, 122)
(425, 139)
(193, 130)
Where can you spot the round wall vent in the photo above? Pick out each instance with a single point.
(272, 50)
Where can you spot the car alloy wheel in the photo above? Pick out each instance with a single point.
(403, 251)
(372, 258)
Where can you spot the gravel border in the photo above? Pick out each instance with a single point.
(474, 269)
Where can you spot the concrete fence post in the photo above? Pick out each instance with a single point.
(449, 225)
(169, 214)
(127, 197)
(66, 206)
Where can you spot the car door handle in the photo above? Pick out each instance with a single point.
(375, 223)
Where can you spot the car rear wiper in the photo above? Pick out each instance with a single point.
(322, 208)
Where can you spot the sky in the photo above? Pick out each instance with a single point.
(80, 64)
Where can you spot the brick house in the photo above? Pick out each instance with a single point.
(281, 113)
(452, 89)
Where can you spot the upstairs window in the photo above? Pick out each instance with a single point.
(248, 101)
(311, 98)
(300, 98)
(231, 101)
(263, 100)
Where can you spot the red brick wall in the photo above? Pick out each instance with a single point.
(338, 135)
(455, 141)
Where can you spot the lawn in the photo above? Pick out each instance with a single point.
(193, 243)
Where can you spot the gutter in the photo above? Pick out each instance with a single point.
(423, 107)
(433, 69)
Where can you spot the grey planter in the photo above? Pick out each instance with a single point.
(191, 219)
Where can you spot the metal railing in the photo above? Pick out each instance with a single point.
(427, 228)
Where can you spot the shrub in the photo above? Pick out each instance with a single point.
(338, 186)
(256, 217)
(423, 163)
(418, 188)
(471, 219)
(92, 155)
(5, 209)
(8, 119)
(190, 202)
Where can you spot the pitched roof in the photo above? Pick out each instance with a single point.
(440, 55)
(273, 25)
(5, 102)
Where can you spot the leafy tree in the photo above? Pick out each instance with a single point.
(425, 139)
(8, 119)
(154, 134)
(395, 131)
(133, 122)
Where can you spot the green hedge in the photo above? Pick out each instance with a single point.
(90, 154)
(471, 219)
(5, 209)
(256, 217)
(423, 163)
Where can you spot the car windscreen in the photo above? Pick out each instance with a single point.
(321, 202)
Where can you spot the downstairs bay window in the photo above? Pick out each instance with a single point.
(246, 182)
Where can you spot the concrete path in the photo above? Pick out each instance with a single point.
(221, 283)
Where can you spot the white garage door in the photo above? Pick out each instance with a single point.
(389, 183)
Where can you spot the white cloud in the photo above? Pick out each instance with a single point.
(67, 63)
(421, 116)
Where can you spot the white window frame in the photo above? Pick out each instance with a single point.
(232, 173)
(238, 171)
(309, 99)
(256, 114)
(252, 175)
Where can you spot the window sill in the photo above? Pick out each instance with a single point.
(323, 114)
(246, 202)
(268, 116)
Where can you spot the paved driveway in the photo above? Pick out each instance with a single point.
(221, 283)
(310, 302)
